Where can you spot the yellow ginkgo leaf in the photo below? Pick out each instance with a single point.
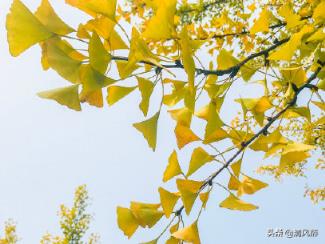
(149, 130)
(263, 22)
(319, 104)
(68, 96)
(187, 57)
(225, 60)
(217, 135)
(82, 32)
(24, 29)
(147, 215)
(189, 192)
(317, 36)
(173, 169)
(214, 122)
(184, 135)
(188, 234)
(297, 147)
(92, 80)
(290, 17)
(250, 186)
(139, 51)
(295, 75)
(94, 98)
(318, 14)
(172, 240)
(183, 116)
(161, 25)
(98, 56)
(121, 69)
(116, 93)
(234, 203)
(199, 158)
(168, 201)
(233, 183)
(126, 221)
(292, 157)
(47, 16)
(62, 63)
(102, 25)
(204, 197)
(287, 50)
(93, 7)
(236, 167)
(146, 88)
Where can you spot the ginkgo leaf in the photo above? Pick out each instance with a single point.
(296, 112)
(127, 221)
(147, 215)
(290, 17)
(187, 57)
(121, 69)
(217, 135)
(295, 75)
(47, 16)
(161, 25)
(139, 51)
(93, 7)
(199, 158)
(292, 158)
(250, 186)
(149, 130)
(318, 14)
(116, 93)
(183, 116)
(68, 96)
(189, 192)
(297, 147)
(225, 60)
(319, 104)
(236, 167)
(92, 80)
(146, 88)
(168, 201)
(263, 22)
(184, 135)
(233, 183)
(287, 50)
(24, 29)
(234, 203)
(98, 56)
(102, 25)
(188, 234)
(173, 169)
(94, 98)
(317, 36)
(172, 240)
(62, 63)
(204, 197)
(214, 122)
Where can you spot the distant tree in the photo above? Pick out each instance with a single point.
(74, 222)
(215, 47)
(10, 233)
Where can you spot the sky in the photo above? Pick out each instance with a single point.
(47, 150)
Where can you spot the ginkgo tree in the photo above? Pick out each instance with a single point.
(194, 54)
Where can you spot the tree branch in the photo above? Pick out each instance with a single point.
(232, 71)
(209, 180)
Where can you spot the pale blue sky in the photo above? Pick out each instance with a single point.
(46, 151)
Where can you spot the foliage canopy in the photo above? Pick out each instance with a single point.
(194, 54)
